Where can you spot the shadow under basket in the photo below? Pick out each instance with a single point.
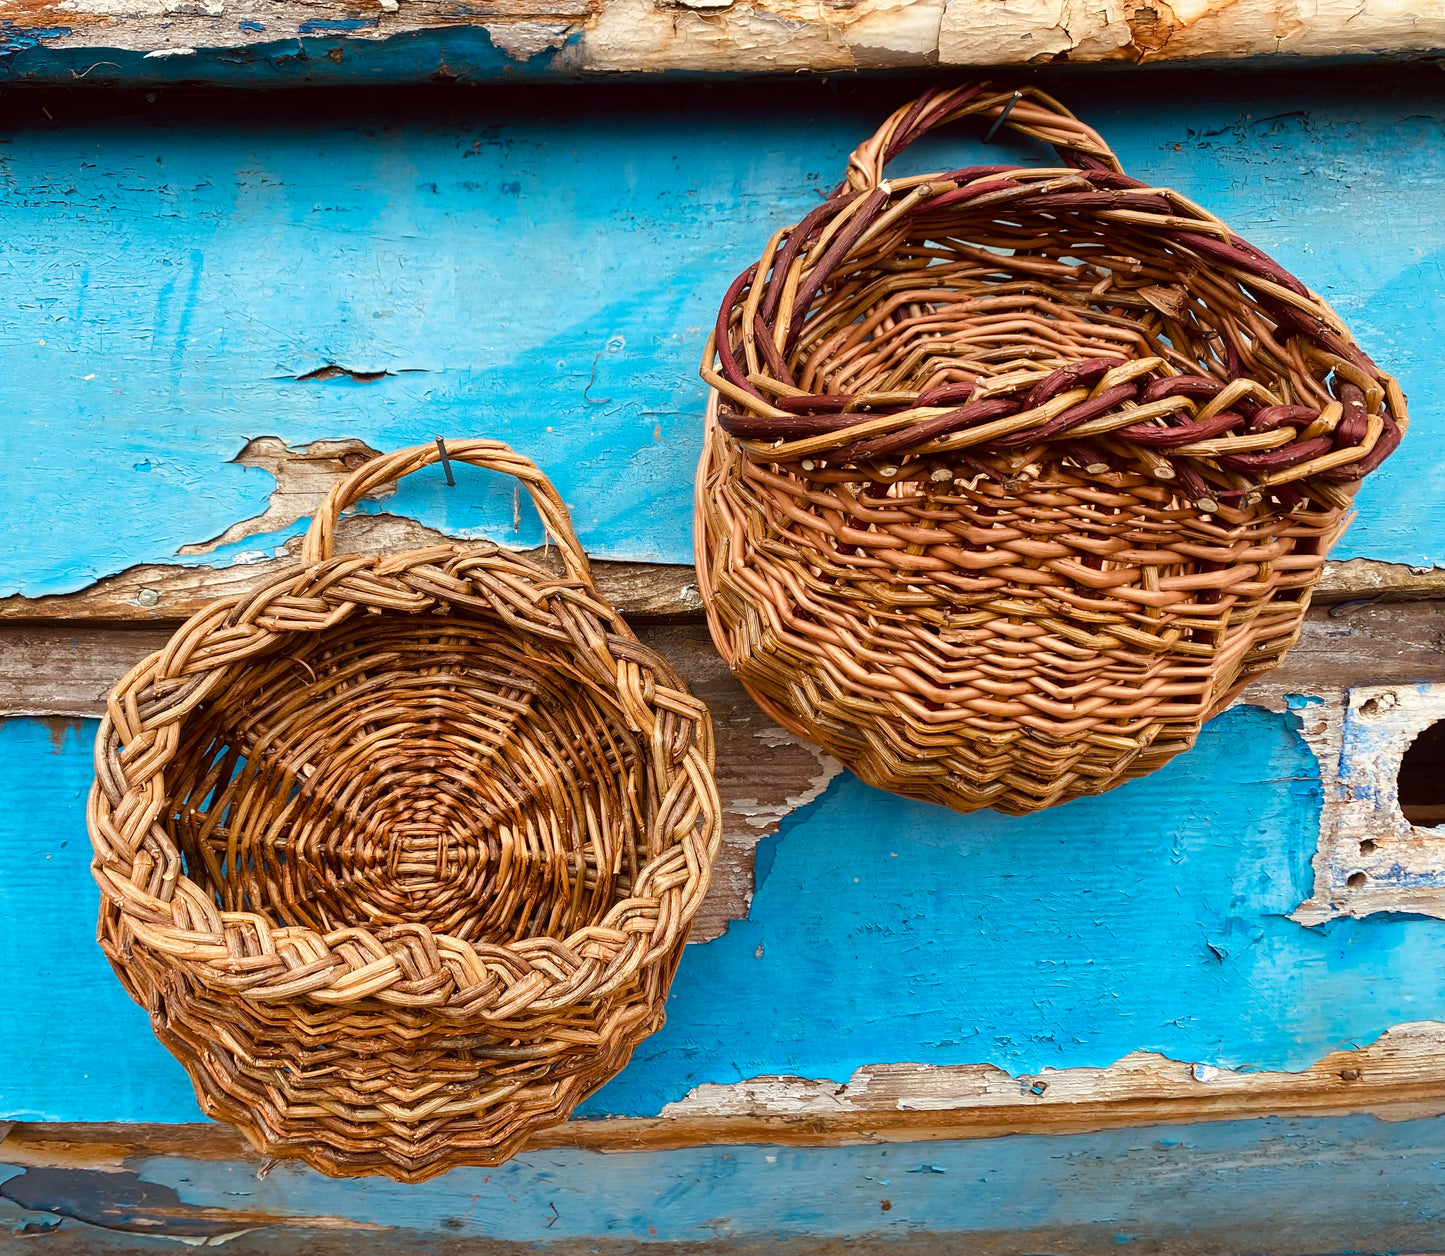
(1014, 477)
(400, 853)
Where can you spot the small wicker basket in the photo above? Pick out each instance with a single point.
(400, 854)
(1013, 477)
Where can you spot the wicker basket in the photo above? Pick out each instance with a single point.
(1014, 477)
(400, 854)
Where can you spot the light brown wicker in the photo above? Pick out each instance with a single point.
(1014, 477)
(401, 853)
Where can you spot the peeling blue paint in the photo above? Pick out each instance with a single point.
(335, 26)
(304, 56)
(545, 273)
(15, 40)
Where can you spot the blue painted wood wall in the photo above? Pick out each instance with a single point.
(540, 266)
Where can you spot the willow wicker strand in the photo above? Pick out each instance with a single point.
(1013, 477)
(400, 853)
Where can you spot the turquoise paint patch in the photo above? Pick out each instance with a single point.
(1153, 918)
(305, 56)
(72, 1044)
(543, 268)
(491, 270)
(18, 40)
(336, 26)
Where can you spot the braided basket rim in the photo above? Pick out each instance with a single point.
(350, 965)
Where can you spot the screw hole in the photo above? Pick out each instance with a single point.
(1367, 847)
(1422, 777)
(1374, 708)
(1356, 881)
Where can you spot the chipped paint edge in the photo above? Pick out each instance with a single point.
(1400, 1076)
(581, 38)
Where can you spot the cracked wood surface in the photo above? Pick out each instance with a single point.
(1280, 1187)
(40, 38)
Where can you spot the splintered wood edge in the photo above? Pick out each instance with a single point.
(576, 38)
(162, 593)
(1400, 1076)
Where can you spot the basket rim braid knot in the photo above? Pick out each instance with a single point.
(1014, 476)
(401, 852)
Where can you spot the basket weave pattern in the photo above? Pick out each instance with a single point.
(400, 854)
(1013, 477)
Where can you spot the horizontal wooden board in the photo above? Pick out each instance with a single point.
(328, 41)
(966, 958)
(1274, 1187)
(198, 283)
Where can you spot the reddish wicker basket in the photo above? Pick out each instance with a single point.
(1014, 477)
(401, 853)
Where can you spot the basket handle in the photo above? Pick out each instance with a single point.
(1026, 110)
(491, 455)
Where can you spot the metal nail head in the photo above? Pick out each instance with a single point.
(446, 462)
(1002, 117)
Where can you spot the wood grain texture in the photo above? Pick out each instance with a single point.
(1277, 1187)
(157, 593)
(582, 37)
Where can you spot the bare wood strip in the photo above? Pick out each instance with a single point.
(572, 36)
(1399, 1076)
(162, 594)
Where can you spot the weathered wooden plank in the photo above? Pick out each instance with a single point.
(251, 39)
(157, 593)
(55, 669)
(66, 668)
(540, 265)
(1400, 1076)
(1154, 920)
(1275, 1187)
(160, 594)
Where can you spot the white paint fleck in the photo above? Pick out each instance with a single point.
(524, 40)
